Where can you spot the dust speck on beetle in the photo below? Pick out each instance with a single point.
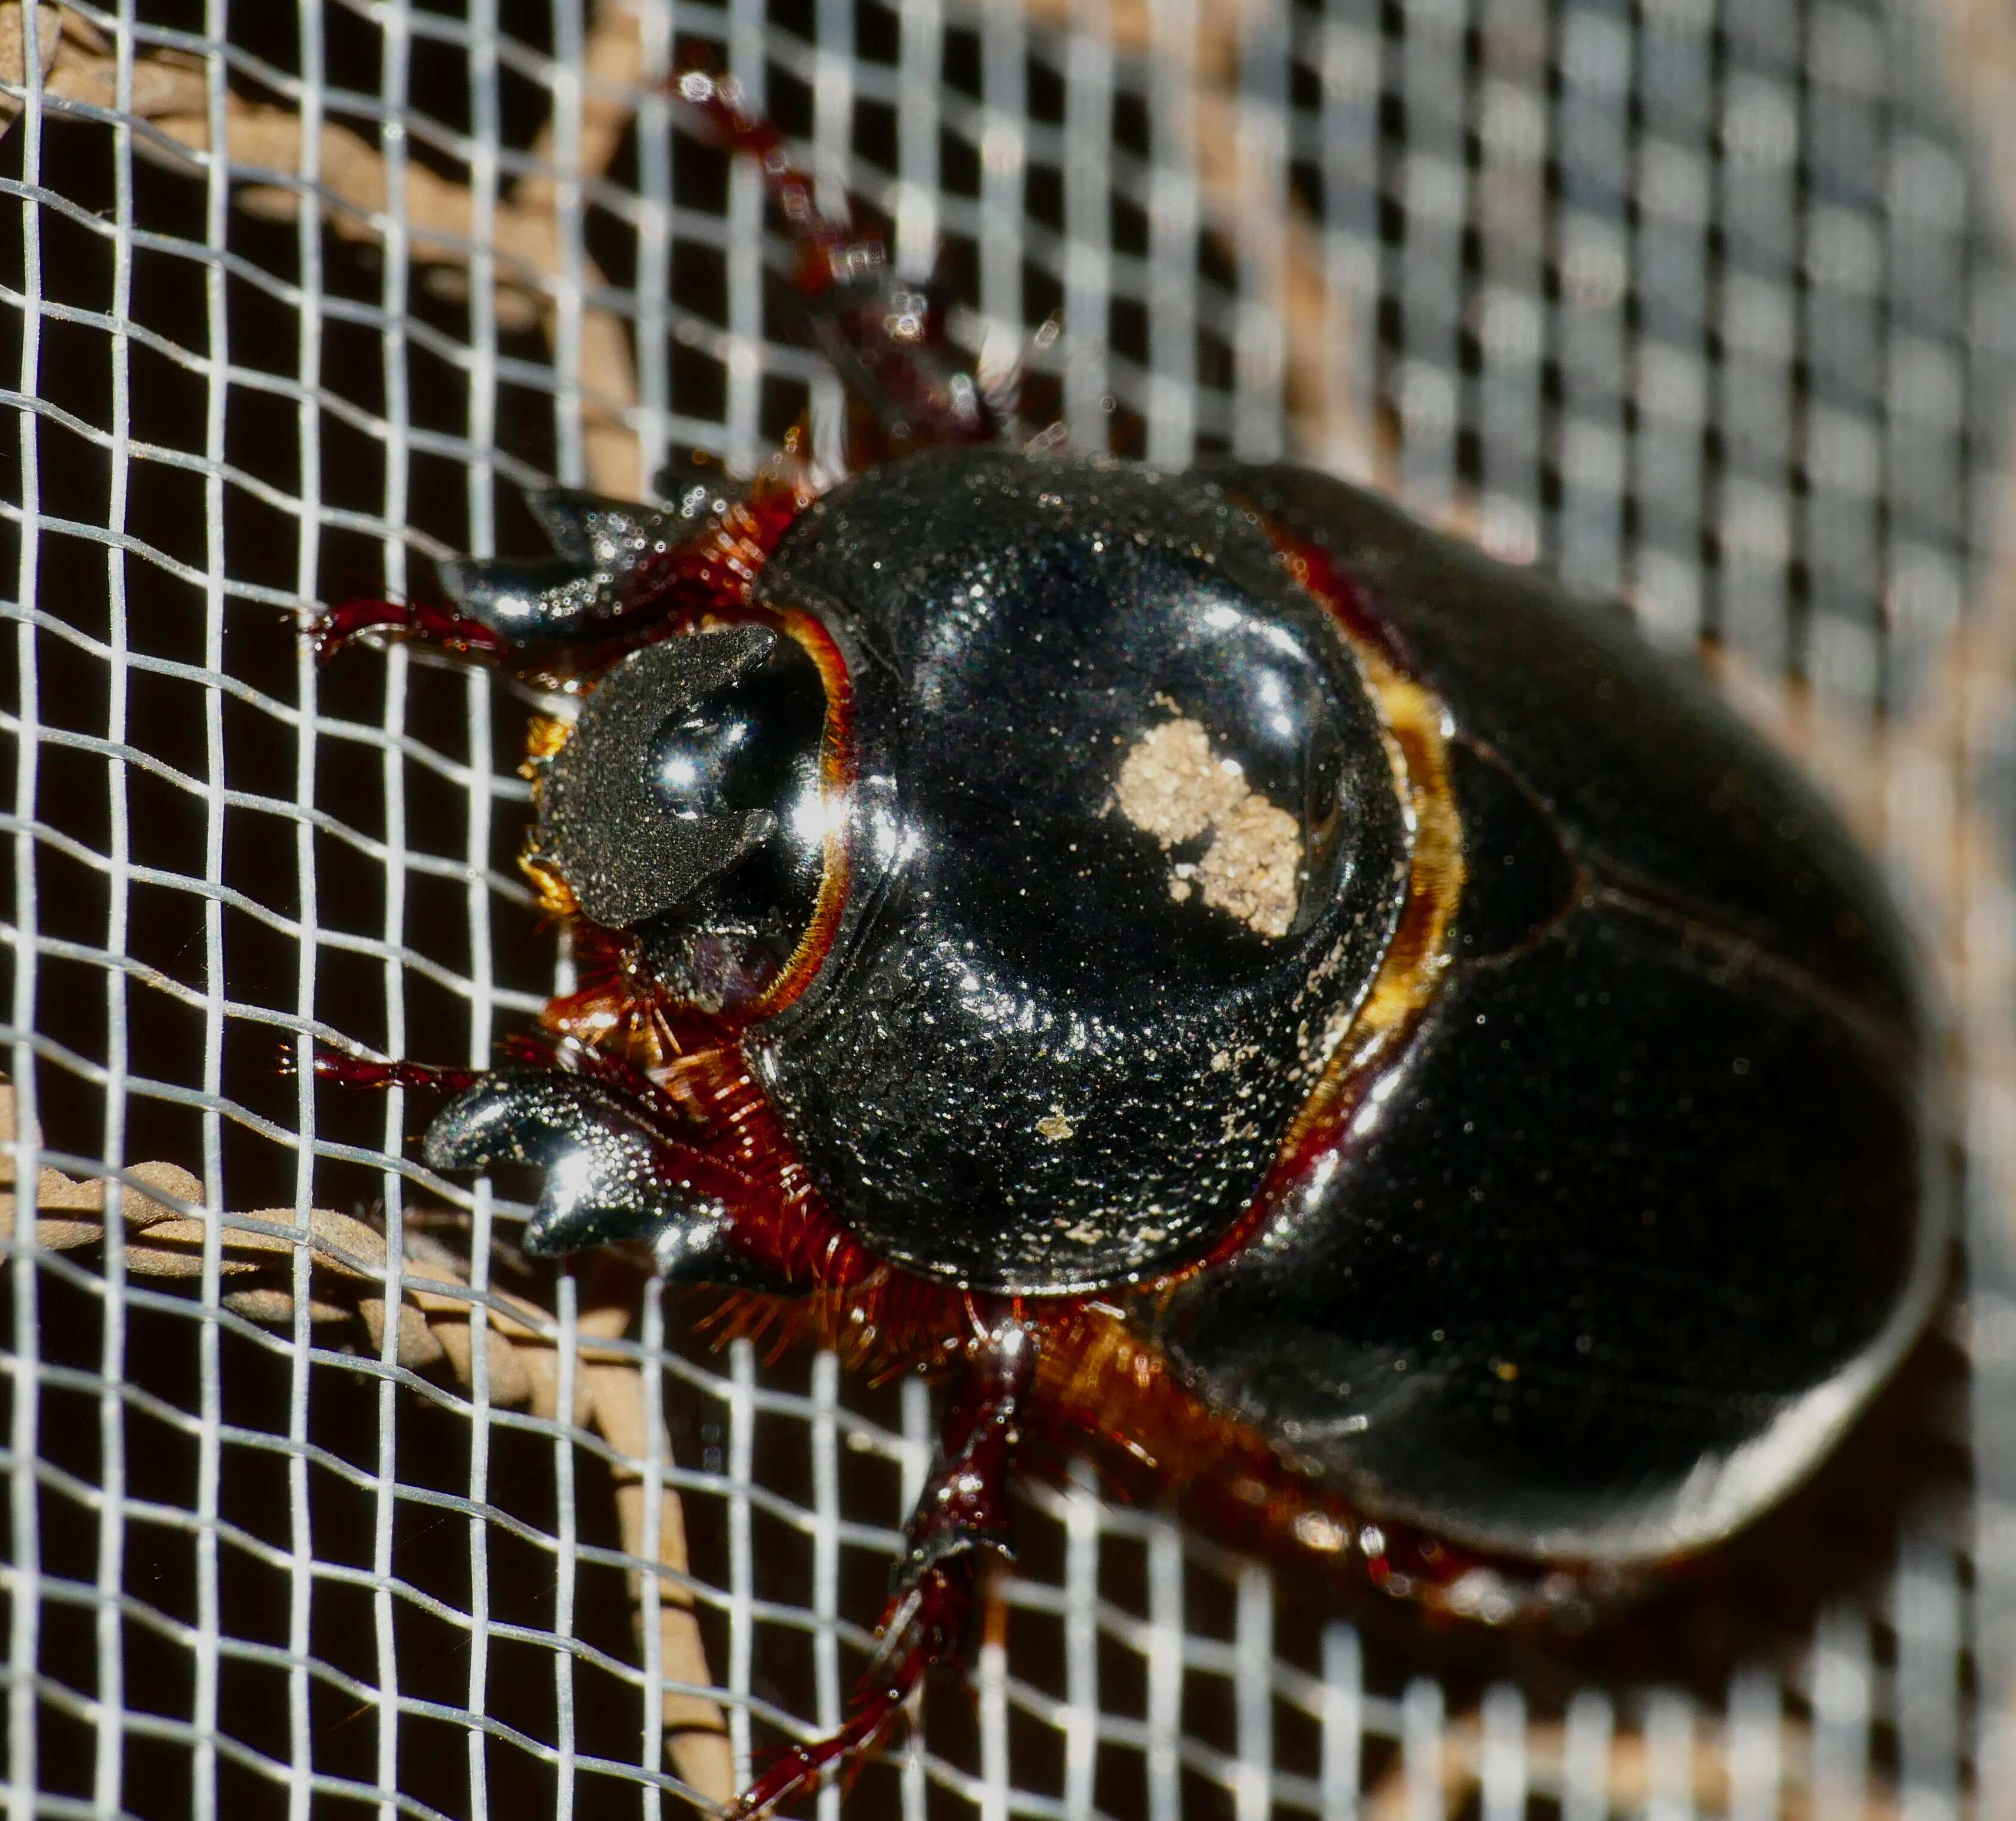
(1173, 787)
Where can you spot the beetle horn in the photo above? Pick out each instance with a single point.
(626, 852)
(609, 1174)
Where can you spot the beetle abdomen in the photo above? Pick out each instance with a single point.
(1622, 1238)
(1627, 1239)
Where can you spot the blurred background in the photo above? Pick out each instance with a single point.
(321, 1500)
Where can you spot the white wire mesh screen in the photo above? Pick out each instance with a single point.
(1699, 303)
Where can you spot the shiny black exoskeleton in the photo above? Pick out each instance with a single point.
(1202, 953)
(1041, 1057)
(1651, 1201)
(1604, 1253)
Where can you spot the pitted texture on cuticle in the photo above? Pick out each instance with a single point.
(624, 853)
(1005, 1073)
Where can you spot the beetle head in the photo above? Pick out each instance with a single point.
(685, 807)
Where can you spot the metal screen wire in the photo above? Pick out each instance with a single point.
(1701, 303)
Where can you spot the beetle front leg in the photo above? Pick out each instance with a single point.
(960, 1518)
(622, 1162)
(421, 622)
(597, 581)
(347, 1069)
(621, 575)
(615, 1169)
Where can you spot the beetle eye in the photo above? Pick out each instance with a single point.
(1322, 780)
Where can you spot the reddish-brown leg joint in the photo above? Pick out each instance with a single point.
(419, 621)
(348, 1070)
(886, 335)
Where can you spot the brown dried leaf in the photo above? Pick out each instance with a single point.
(180, 1253)
(418, 1348)
(435, 1328)
(79, 63)
(53, 1190)
(274, 1308)
(695, 1734)
(508, 1382)
(353, 188)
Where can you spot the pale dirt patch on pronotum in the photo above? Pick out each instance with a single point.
(1174, 787)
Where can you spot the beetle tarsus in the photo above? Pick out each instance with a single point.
(622, 576)
(960, 1518)
(347, 1069)
(417, 622)
(928, 1626)
(606, 575)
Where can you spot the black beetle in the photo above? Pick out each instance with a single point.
(1236, 981)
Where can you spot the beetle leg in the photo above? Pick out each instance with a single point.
(613, 1171)
(423, 622)
(621, 577)
(961, 1516)
(624, 1161)
(885, 334)
(347, 1069)
(502, 605)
